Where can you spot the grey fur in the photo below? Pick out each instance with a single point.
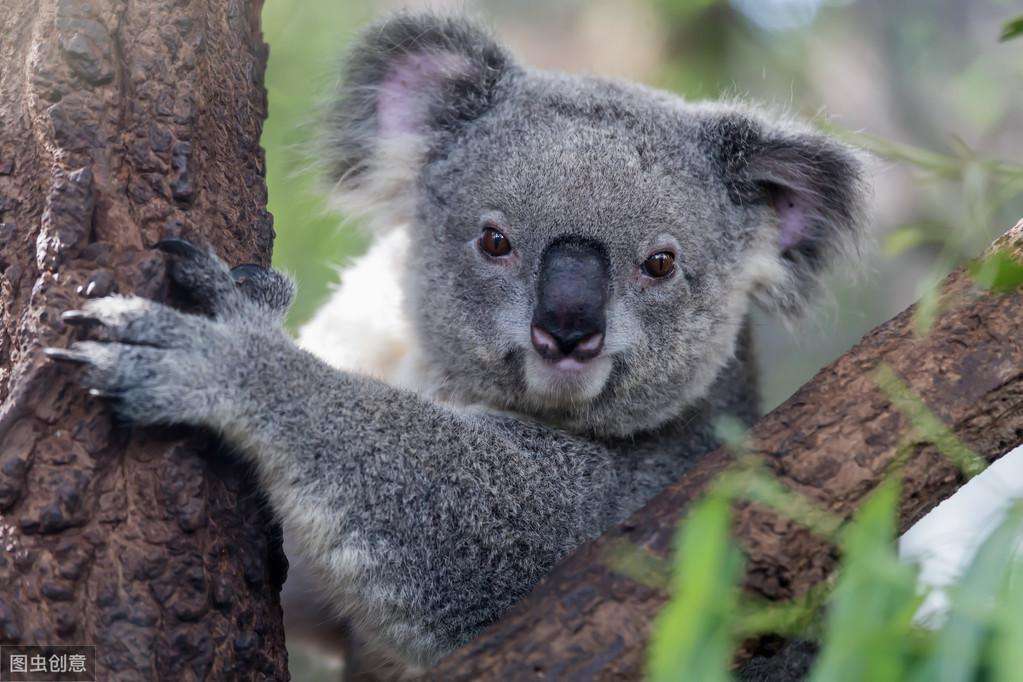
(427, 516)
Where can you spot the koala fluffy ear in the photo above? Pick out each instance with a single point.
(812, 191)
(409, 81)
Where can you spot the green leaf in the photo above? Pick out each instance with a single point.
(799, 617)
(928, 426)
(928, 307)
(750, 480)
(637, 564)
(903, 239)
(693, 636)
(1007, 648)
(1012, 29)
(999, 272)
(732, 433)
(869, 631)
(960, 647)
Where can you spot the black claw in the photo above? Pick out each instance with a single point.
(243, 272)
(78, 318)
(65, 355)
(178, 247)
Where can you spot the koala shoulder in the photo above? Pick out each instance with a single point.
(362, 327)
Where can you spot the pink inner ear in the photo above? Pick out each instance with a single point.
(792, 220)
(404, 95)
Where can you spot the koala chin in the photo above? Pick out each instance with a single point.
(566, 382)
(552, 317)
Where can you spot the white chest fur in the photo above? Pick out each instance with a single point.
(363, 327)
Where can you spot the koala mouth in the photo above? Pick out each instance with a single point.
(569, 364)
(567, 380)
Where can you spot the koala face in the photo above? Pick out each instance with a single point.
(583, 250)
(591, 271)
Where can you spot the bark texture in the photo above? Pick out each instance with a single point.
(122, 123)
(832, 441)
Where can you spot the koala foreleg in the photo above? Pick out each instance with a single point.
(426, 522)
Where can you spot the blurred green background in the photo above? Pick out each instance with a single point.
(925, 84)
(306, 38)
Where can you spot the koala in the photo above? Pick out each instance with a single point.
(553, 317)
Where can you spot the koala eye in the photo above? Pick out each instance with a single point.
(494, 243)
(660, 264)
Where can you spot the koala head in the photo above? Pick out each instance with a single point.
(582, 250)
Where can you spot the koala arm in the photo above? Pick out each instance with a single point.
(431, 520)
(426, 521)
(380, 485)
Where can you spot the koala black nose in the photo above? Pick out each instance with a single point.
(572, 292)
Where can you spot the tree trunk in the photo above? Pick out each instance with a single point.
(122, 123)
(833, 442)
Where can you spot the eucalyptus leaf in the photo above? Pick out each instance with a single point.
(999, 272)
(1012, 29)
(693, 637)
(870, 619)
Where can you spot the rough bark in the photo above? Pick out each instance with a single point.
(122, 123)
(832, 441)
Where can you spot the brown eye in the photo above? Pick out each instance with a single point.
(660, 264)
(494, 243)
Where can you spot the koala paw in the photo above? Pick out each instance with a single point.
(226, 292)
(158, 365)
